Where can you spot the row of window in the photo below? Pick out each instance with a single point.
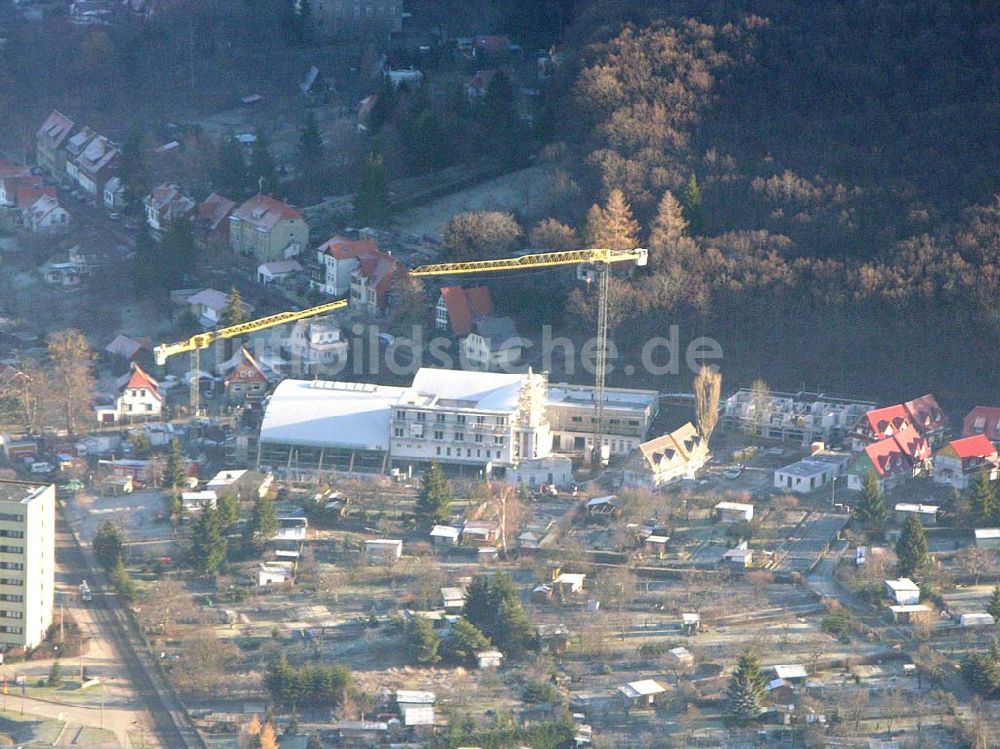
(12, 597)
(468, 452)
(14, 517)
(457, 437)
(11, 630)
(11, 565)
(11, 581)
(459, 418)
(11, 534)
(6, 614)
(11, 549)
(612, 422)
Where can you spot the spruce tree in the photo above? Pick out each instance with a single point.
(746, 689)
(231, 177)
(911, 548)
(479, 605)
(463, 642)
(108, 545)
(208, 545)
(179, 251)
(132, 169)
(982, 496)
(175, 471)
(434, 501)
(424, 641)
(870, 510)
(512, 633)
(371, 201)
(309, 157)
(55, 675)
(229, 510)
(263, 524)
(691, 201)
(993, 607)
(263, 172)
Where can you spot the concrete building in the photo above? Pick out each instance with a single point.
(27, 562)
(926, 513)
(628, 415)
(356, 18)
(812, 473)
(799, 417)
(267, 229)
(903, 591)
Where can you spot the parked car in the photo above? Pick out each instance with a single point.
(42, 467)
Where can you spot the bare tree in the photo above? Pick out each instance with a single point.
(707, 388)
(72, 376)
(760, 396)
(975, 561)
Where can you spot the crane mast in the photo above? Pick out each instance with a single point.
(196, 343)
(600, 257)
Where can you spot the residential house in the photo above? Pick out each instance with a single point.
(903, 591)
(494, 344)
(338, 258)
(165, 204)
(246, 381)
(983, 420)
(800, 417)
(140, 396)
(960, 461)
(733, 512)
(458, 309)
(14, 178)
(49, 141)
(316, 344)
(410, 76)
(267, 229)
(879, 424)
(812, 473)
(27, 196)
(212, 220)
(209, 306)
(127, 347)
(95, 165)
(74, 147)
(373, 281)
(679, 454)
(277, 271)
(46, 215)
(926, 415)
(383, 550)
(114, 194)
(893, 460)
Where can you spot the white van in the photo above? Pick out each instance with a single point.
(42, 467)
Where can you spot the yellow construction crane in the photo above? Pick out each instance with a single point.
(601, 258)
(196, 343)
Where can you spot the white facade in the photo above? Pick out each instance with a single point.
(315, 344)
(801, 417)
(471, 418)
(27, 562)
(812, 473)
(336, 273)
(139, 403)
(628, 415)
(903, 591)
(734, 512)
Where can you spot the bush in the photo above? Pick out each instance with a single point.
(539, 691)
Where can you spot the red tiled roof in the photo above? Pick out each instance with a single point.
(246, 369)
(925, 413)
(890, 419)
(215, 210)
(139, 379)
(887, 457)
(264, 211)
(913, 444)
(55, 128)
(977, 446)
(982, 420)
(344, 249)
(381, 271)
(27, 196)
(465, 306)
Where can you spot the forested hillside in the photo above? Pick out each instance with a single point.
(816, 183)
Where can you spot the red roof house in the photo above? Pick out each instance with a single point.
(960, 460)
(246, 381)
(887, 459)
(140, 396)
(926, 415)
(213, 217)
(460, 308)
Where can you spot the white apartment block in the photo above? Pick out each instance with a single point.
(799, 417)
(471, 418)
(27, 562)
